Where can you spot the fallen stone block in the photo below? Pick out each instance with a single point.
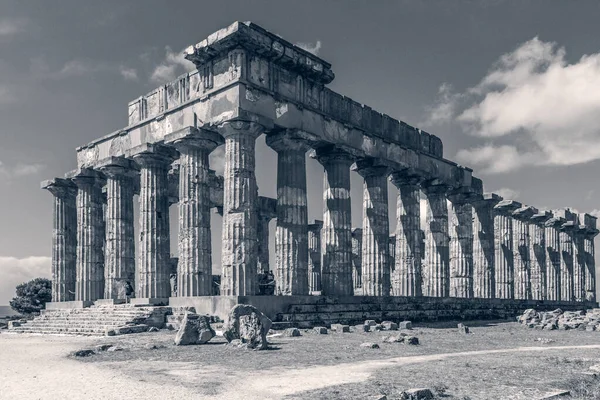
(370, 345)
(13, 324)
(320, 330)
(154, 346)
(115, 348)
(375, 328)
(292, 332)
(462, 328)
(405, 325)
(84, 353)
(417, 394)
(246, 323)
(339, 328)
(103, 347)
(370, 322)
(362, 328)
(389, 326)
(411, 340)
(195, 329)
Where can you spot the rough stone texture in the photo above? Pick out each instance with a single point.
(321, 330)
(538, 271)
(314, 256)
(194, 268)
(521, 248)
(340, 328)
(266, 212)
(357, 259)
(417, 394)
(406, 277)
(369, 345)
(90, 236)
(119, 251)
(483, 246)
(292, 332)
(239, 248)
(461, 243)
(389, 326)
(291, 238)
(589, 253)
(336, 237)
(462, 328)
(579, 267)
(64, 238)
(405, 325)
(553, 258)
(154, 253)
(376, 231)
(247, 324)
(503, 245)
(567, 231)
(436, 268)
(195, 329)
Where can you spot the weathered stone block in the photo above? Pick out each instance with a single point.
(321, 330)
(405, 325)
(246, 323)
(339, 328)
(389, 326)
(195, 329)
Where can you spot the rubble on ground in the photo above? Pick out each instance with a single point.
(559, 319)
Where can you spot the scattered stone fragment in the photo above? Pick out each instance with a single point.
(562, 320)
(84, 353)
(417, 394)
(292, 332)
(103, 347)
(411, 340)
(13, 324)
(115, 348)
(320, 330)
(127, 329)
(370, 345)
(153, 329)
(405, 325)
(389, 326)
(153, 346)
(595, 368)
(393, 339)
(362, 328)
(339, 328)
(375, 328)
(462, 328)
(544, 340)
(370, 322)
(195, 329)
(246, 323)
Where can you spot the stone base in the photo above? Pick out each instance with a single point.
(306, 311)
(64, 305)
(149, 301)
(109, 302)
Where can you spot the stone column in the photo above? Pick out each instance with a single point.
(553, 258)
(154, 253)
(90, 236)
(503, 244)
(314, 256)
(406, 278)
(538, 263)
(391, 256)
(64, 238)
(521, 249)
(483, 246)
(461, 242)
(436, 268)
(119, 252)
(194, 266)
(590, 262)
(579, 268)
(336, 246)
(291, 237)
(376, 230)
(567, 262)
(262, 231)
(240, 245)
(357, 260)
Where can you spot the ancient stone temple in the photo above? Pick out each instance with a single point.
(248, 82)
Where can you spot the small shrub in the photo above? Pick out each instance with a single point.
(32, 296)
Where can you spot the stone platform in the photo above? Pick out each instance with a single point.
(309, 311)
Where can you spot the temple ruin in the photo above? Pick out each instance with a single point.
(476, 251)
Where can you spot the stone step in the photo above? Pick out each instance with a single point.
(98, 331)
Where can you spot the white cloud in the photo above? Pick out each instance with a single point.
(507, 193)
(19, 170)
(173, 65)
(15, 271)
(82, 67)
(10, 27)
(7, 95)
(129, 74)
(544, 108)
(313, 48)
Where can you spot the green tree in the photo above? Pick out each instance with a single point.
(32, 296)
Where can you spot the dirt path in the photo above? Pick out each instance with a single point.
(35, 367)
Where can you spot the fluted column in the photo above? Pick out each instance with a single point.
(154, 254)
(119, 252)
(566, 261)
(376, 230)
(194, 265)
(336, 246)
(538, 263)
(590, 259)
(314, 256)
(391, 257)
(461, 242)
(64, 238)
(291, 235)
(406, 277)
(357, 260)
(503, 244)
(436, 268)
(90, 236)
(521, 249)
(267, 210)
(239, 248)
(579, 267)
(483, 246)
(553, 258)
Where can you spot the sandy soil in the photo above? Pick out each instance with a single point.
(503, 360)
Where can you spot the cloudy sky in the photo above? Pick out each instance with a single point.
(511, 87)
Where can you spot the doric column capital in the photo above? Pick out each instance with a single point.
(315, 226)
(463, 195)
(114, 167)
(288, 139)
(332, 155)
(236, 127)
(267, 208)
(506, 207)
(369, 167)
(540, 218)
(434, 186)
(151, 154)
(191, 137)
(524, 213)
(487, 200)
(405, 177)
(86, 177)
(569, 226)
(555, 222)
(61, 188)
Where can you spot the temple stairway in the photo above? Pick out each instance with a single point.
(96, 320)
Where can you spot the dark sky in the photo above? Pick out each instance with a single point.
(502, 83)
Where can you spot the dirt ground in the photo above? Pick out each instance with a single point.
(502, 360)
